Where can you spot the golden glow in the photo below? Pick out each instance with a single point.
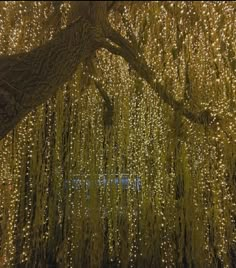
(185, 210)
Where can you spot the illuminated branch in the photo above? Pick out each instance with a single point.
(108, 104)
(104, 95)
(124, 49)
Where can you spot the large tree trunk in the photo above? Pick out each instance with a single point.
(29, 79)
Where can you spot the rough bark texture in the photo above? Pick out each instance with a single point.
(29, 79)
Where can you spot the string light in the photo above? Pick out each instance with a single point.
(150, 190)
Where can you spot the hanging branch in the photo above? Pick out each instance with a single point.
(92, 74)
(104, 95)
(124, 49)
(108, 115)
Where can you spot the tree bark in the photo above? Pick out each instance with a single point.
(29, 79)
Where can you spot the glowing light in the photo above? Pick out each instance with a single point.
(62, 169)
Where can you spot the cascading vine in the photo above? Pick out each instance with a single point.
(151, 189)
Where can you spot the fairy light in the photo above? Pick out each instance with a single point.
(185, 209)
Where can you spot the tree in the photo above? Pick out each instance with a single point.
(117, 134)
(29, 79)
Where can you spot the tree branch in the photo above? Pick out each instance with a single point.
(108, 114)
(129, 53)
(104, 95)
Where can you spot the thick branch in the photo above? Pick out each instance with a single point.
(128, 52)
(29, 79)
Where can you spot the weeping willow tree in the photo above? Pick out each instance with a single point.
(117, 134)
